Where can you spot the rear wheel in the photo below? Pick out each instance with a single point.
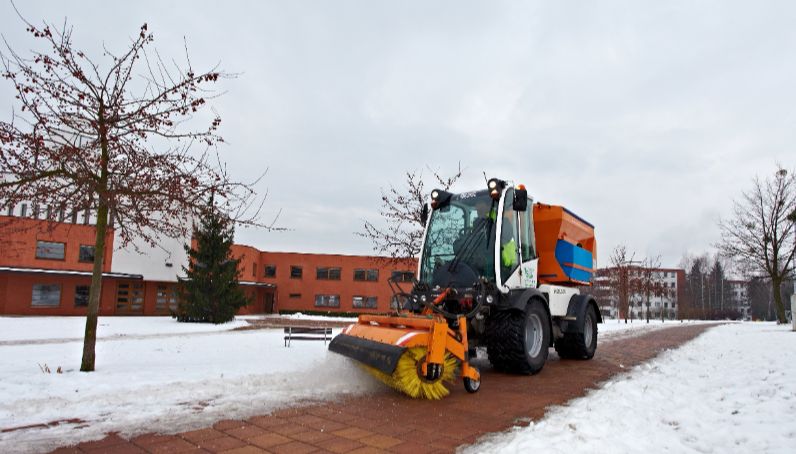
(518, 341)
(580, 345)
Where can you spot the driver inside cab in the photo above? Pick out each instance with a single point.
(508, 243)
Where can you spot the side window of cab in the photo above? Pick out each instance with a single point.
(527, 236)
(509, 258)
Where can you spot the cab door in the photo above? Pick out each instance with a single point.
(517, 256)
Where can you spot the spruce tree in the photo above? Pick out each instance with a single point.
(210, 293)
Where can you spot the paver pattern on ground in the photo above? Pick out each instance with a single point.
(390, 422)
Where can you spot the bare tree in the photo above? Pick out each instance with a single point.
(401, 235)
(621, 278)
(761, 228)
(759, 291)
(113, 139)
(696, 293)
(648, 283)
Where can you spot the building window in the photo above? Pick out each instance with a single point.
(294, 296)
(365, 302)
(50, 250)
(45, 295)
(403, 276)
(295, 272)
(269, 271)
(86, 253)
(327, 300)
(366, 275)
(81, 295)
(328, 274)
(166, 299)
(254, 270)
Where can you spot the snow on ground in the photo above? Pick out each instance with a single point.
(161, 378)
(298, 316)
(156, 374)
(730, 390)
(14, 329)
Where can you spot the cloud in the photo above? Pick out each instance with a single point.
(644, 117)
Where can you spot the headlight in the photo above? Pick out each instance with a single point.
(490, 299)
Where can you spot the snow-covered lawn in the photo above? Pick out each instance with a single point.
(24, 329)
(733, 389)
(153, 373)
(298, 316)
(156, 374)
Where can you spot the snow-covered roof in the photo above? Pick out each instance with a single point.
(12, 269)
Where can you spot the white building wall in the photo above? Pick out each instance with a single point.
(152, 263)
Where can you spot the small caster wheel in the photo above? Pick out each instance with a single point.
(472, 386)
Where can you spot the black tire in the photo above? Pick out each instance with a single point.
(580, 345)
(472, 386)
(517, 341)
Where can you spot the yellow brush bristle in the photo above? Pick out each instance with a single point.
(405, 378)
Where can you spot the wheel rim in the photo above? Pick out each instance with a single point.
(588, 331)
(533, 335)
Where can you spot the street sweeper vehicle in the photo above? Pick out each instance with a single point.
(496, 271)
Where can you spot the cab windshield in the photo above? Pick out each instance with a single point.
(459, 247)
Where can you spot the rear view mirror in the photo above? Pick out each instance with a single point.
(520, 200)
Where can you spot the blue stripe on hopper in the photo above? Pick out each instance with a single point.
(569, 253)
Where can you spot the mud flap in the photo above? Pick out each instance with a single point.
(383, 357)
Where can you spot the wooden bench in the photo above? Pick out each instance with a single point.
(307, 333)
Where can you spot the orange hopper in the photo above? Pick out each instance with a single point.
(565, 245)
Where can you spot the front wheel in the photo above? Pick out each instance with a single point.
(518, 341)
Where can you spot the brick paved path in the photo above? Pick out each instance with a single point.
(389, 422)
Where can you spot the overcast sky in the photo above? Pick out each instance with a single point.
(645, 118)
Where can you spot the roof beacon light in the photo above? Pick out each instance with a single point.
(440, 198)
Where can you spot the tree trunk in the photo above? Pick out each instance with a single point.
(777, 290)
(90, 337)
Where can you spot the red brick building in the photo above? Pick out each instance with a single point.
(45, 269)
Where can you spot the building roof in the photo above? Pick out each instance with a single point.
(11, 269)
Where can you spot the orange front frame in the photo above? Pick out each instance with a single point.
(408, 330)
